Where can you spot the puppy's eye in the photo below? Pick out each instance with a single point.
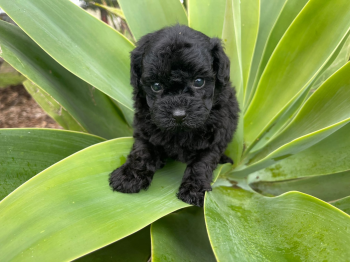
(156, 87)
(199, 82)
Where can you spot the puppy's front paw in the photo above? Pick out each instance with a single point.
(192, 194)
(125, 179)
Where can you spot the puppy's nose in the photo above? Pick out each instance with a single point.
(179, 115)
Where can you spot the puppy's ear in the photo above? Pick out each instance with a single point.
(136, 61)
(221, 63)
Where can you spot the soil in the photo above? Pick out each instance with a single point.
(19, 109)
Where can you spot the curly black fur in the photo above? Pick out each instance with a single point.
(175, 57)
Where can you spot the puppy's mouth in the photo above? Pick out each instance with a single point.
(179, 114)
(179, 127)
(189, 123)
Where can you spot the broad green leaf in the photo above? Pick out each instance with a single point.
(207, 17)
(269, 12)
(328, 106)
(113, 10)
(327, 187)
(181, 236)
(89, 107)
(24, 152)
(289, 12)
(282, 121)
(70, 204)
(339, 59)
(332, 65)
(134, 248)
(325, 112)
(144, 17)
(343, 204)
(231, 36)
(239, 34)
(9, 76)
(217, 172)
(282, 14)
(84, 45)
(52, 107)
(250, 15)
(128, 115)
(331, 155)
(288, 150)
(324, 26)
(245, 226)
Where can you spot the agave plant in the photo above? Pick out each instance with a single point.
(289, 65)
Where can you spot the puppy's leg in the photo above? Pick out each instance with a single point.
(138, 170)
(197, 178)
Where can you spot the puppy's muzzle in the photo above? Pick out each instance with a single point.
(179, 115)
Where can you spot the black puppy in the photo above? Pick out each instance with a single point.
(185, 109)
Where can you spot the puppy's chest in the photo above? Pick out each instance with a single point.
(185, 146)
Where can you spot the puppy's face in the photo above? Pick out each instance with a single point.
(178, 78)
(179, 83)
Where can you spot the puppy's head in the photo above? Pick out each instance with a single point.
(178, 71)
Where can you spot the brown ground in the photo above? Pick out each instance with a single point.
(18, 109)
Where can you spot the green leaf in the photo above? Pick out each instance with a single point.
(281, 122)
(343, 204)
(269, 12)
(328, 106)
(134, 248)
(218, 171)
(89, 107)
(290, 10)
(331, 155)
(127, 114)
(144, 17)
(52, 107)
(235, 147)
(240, 31)
(250, 15)
(9, 76)
(71, 204)
(282, 15)
(181, 236)
(324, 26)
(207, 17)
(334, 63)
(339, 59)
(112, 10)
(84, 45)
(231, 36)
(313, 123)
(237, 33)
(245, 226)
(327, 187)
(26, 152)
